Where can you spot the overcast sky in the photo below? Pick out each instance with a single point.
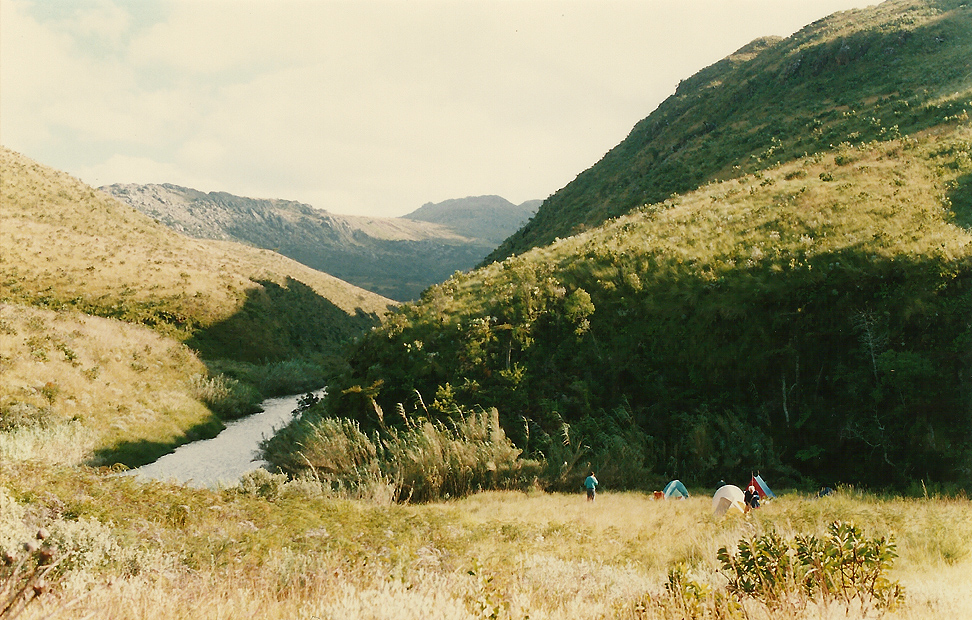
(357, 107)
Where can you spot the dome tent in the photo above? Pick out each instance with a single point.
(675, 489)
(728, 498)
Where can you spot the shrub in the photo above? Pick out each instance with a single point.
(14, 415)
(226, 397)
(422, 462)
(289, 377)
(26, 576)
(843, 565)
(262, 483)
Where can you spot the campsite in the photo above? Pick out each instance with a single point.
(276, 552)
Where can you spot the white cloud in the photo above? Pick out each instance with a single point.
(142, 170)
(355, 106)
(103, 20)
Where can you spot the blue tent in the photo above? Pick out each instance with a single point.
(675, 489)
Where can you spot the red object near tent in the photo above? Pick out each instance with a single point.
(761, 487)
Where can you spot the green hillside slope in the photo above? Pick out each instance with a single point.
(813, 322)
(858, 75)
(811, 319)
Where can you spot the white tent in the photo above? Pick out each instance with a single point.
(728, 498)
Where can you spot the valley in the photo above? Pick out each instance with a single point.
(772, 275)
(394, 257)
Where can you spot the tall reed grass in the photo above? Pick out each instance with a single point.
(424, 461)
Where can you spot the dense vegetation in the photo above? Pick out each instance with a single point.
(812, 319)
(861, 75)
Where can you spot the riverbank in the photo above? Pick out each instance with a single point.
(232, 553)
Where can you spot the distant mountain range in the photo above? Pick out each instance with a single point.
(395, 257)
(490, 218)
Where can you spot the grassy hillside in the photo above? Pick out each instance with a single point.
(860, 75)
(106, 314)
(813, 320)
(396, 257)
(68, 246)
(75, 387)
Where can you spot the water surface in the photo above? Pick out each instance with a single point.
(221, 461)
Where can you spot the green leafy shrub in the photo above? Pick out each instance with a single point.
(846, 565)
(842, 565)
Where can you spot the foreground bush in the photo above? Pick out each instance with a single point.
(842, 565)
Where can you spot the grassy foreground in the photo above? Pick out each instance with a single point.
(270, 549)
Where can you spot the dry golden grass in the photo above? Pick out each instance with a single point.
(203, 554)
(63, 241)
(77, 383)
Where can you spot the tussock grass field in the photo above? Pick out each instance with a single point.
(275, 547)
(296, 553)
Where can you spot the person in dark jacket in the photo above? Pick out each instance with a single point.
(751, 498)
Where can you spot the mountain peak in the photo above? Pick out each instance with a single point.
(491, 217)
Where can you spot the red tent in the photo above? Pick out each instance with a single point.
(761, 487)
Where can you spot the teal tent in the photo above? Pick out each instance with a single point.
(675, 489)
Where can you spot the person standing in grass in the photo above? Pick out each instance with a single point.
(591, 485)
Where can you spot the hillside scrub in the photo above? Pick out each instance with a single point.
(812, 321)
(132, 548)
(870, 74)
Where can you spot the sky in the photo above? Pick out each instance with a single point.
(359, 107)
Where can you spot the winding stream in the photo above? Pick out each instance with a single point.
(221, 461)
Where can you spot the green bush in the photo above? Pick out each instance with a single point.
(843, 565)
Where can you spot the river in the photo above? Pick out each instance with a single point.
(221, 461)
